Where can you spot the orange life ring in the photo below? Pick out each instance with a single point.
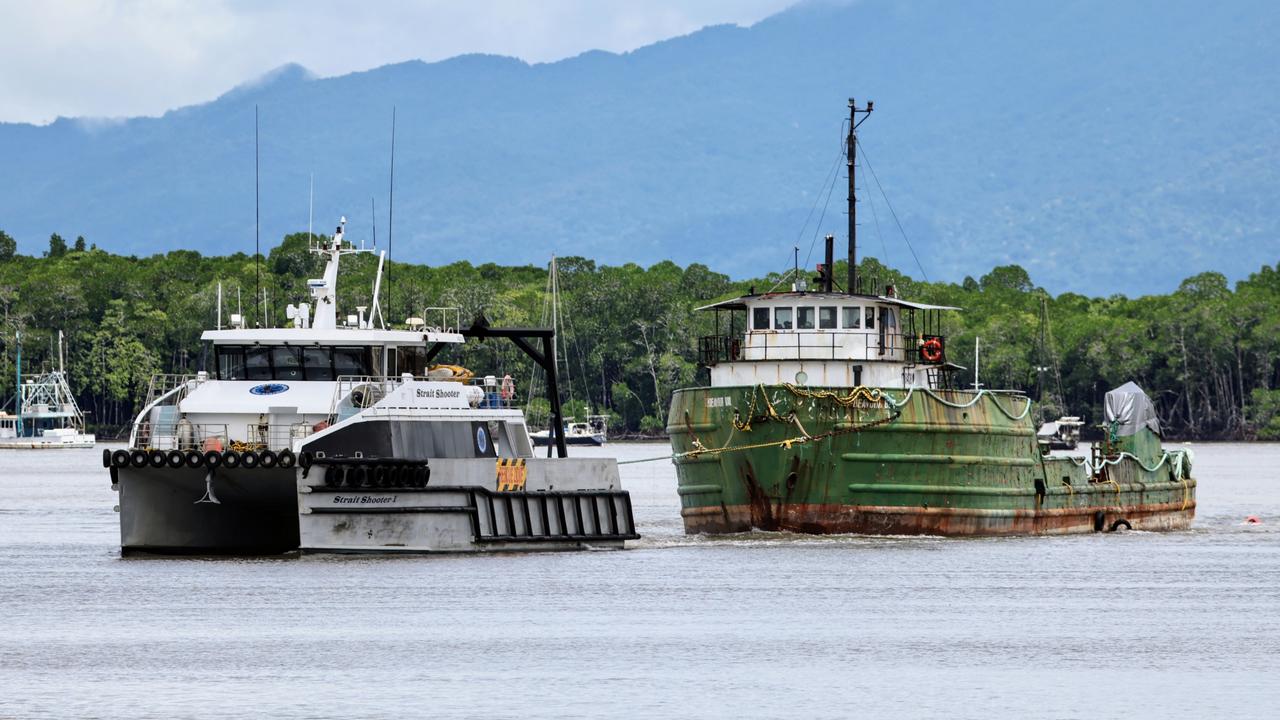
(931, 351)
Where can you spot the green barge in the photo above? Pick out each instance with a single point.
(836, 411)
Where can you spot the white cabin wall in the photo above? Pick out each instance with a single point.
(819, 374)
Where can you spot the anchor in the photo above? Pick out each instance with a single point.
(209, 496)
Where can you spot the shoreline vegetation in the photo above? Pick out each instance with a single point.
(1208, 353)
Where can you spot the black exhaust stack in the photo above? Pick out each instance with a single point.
(828, 270)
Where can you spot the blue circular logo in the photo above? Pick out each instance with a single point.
(482, 440)
(268, 389)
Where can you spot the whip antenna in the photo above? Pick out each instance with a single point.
(257, 271)
(391, 206)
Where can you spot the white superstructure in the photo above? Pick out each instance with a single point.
(825, 339)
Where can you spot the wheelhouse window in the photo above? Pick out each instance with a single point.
(852, 317)
(760, 318)
(411, 359)
(291, 362)
(318, 363)
(257, 363)
(230, 359)
(827, 317)
(870, 317)
(287, 362)
(351, 361)
(782, 318)
(805, 318)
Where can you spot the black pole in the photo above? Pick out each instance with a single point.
(257, 272)
(828, 277)
(853, 200)
(553, 396)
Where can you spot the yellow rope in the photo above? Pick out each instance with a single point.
(787, 443)
(871, 395)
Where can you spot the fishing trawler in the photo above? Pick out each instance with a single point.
(329, 436)
(837, 411)
(47, 415)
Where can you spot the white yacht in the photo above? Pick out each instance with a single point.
(329, 436)
(595, 431)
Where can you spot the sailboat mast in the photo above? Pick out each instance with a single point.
(555, 319)
(17, 389)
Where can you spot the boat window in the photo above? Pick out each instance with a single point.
(230, 362)
(870, 317)
(318, 363)
(351, 361)
(411, 359)
(760, 318)
(852, 317)
(782, 318)
(804, 318)
(827, 317)
(287, 361)
(257, 363)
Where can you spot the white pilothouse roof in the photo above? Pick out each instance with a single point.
(329, 336)
(745, 301)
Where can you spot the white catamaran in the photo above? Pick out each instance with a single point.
(333, 436)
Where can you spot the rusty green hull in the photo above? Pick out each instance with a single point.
(898, 462)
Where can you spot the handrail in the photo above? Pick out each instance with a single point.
(164, 389)
(378, 387)
(817, 345)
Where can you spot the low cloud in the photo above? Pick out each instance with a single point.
(142, 57)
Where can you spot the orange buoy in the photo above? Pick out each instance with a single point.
(1253, 520)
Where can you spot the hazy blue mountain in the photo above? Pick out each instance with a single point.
(1106, 146)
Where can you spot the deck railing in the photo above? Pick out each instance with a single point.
(836, 345)
(353, 393)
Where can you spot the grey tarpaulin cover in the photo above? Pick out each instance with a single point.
(1131, 409)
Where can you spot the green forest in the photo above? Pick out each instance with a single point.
(1208, 353)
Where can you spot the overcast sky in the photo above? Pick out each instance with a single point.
(143, 57)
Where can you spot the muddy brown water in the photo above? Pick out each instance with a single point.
(1172, 625)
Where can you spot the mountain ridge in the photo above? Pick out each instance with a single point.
(1077, 140)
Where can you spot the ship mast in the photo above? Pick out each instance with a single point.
(850, 155)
